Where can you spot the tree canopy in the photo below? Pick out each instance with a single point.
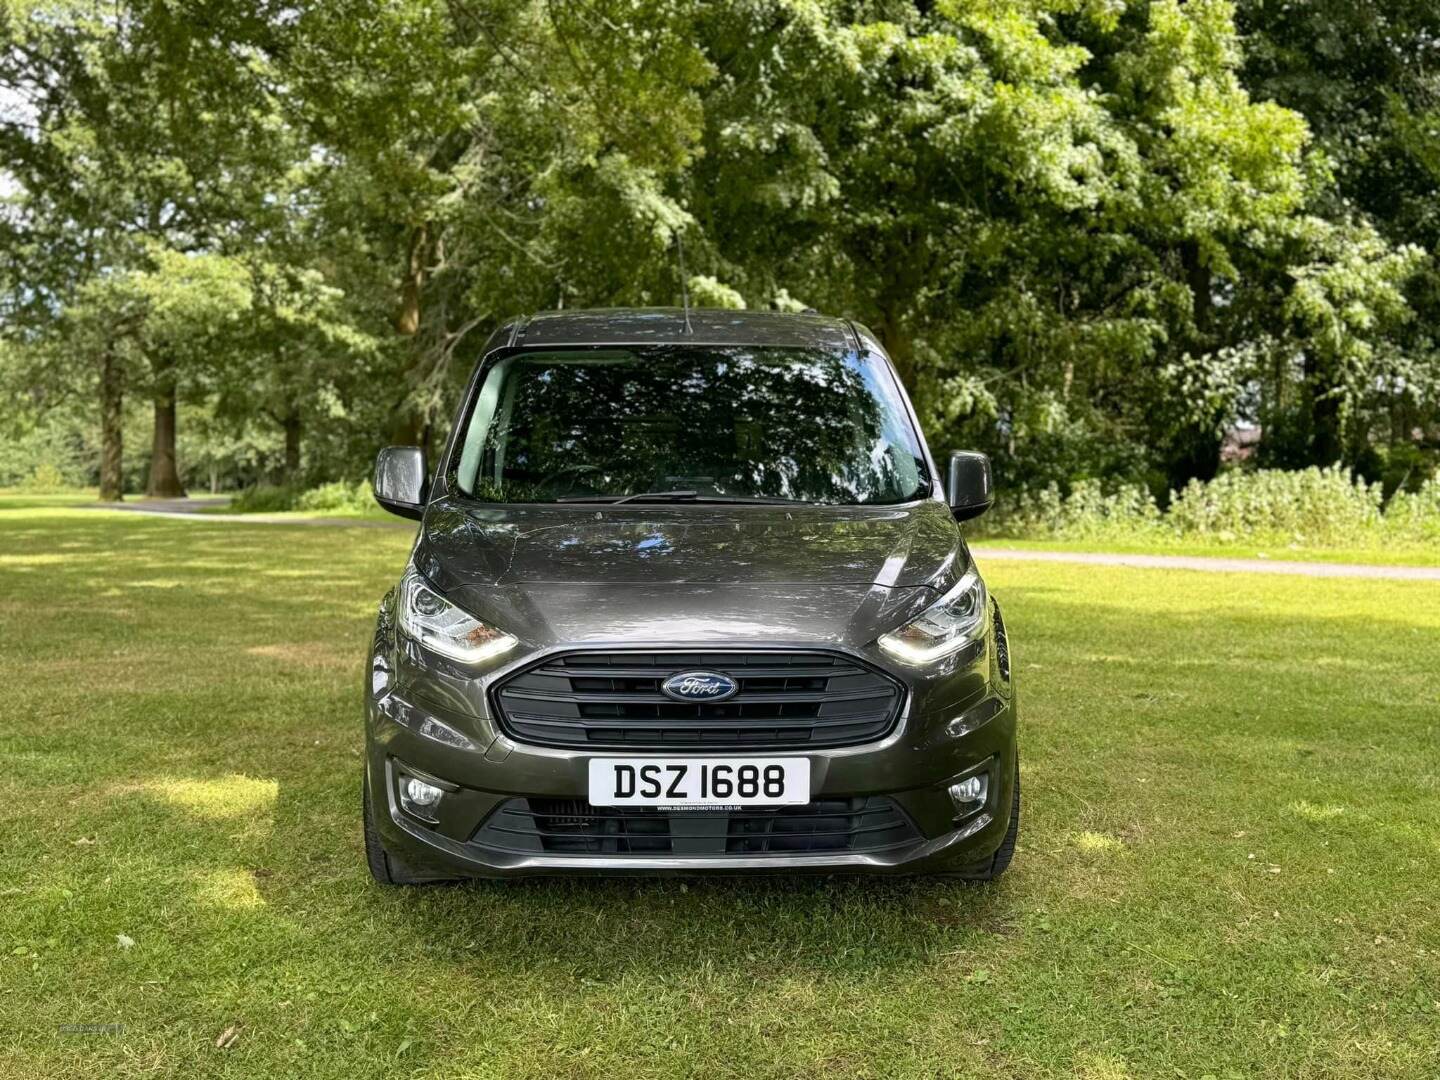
(1093, 236)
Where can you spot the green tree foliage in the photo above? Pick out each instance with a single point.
(150, 330)
(1030, 202)
(139, 141)
(1364, 75)
(1092, 235)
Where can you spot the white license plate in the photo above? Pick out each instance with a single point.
(682, 782)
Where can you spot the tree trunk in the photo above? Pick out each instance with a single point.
(1194, 450)
(407, 319)
(406, 426)
(112, 428)
(291, 424)
(1202, 298)
(164, 479)
(898, 344)
(1327, 434)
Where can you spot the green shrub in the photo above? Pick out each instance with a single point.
(1415, 516)
(337, 496)
(1311, 506)
(265, 499)
(1086, 513)
(1316, 507)
(46, 479)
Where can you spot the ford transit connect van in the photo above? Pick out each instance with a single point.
(688, 595)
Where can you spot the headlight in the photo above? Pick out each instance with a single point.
(945, 627)
(439, 625)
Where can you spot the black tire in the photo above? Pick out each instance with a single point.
(991, 868)
(384, 867)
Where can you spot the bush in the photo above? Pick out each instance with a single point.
(1317, 507)
(265, 499)
(1086, 513)
(1310, 506)
(338, 496)
(1414, 517)
(46, 479)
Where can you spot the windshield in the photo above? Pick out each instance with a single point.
(688, 422)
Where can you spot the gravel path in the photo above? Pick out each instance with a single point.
(190, 508)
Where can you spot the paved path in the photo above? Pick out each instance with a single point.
(188, 505)
(190, 508)
(1216, 565)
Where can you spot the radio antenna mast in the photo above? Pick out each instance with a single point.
(684, 286)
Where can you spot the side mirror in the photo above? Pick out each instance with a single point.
(400, 480)
(971, 488)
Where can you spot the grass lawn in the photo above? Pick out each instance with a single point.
(1410, 554)
(20, 499)
(1228, 865)
(373, 512)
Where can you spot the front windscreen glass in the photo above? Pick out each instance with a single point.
(689, 422)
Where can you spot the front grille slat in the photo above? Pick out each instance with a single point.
(573, 827)
(797, 700)
(752, 671)
(804, 697)
(738, 723)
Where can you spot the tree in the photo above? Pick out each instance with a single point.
(299, 359)
(182, 308)
(132, 127)
(1092, 236)
(1040, 208)
(1362, 73)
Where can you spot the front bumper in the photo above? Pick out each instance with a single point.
(455, 845)
(948, 726)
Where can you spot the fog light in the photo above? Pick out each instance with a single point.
(420, 798)
(967, 794)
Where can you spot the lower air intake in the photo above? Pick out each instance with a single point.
(574, 827)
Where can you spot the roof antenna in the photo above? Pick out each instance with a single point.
(684, 287)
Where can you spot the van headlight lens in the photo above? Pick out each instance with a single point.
(945, 627)
(438, 624)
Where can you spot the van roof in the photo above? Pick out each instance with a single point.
(667, 325)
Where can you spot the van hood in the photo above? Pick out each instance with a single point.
(464, 544)
(692, 574)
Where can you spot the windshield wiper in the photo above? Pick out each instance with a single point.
(683, 496)
(613, 500)
(769, 500)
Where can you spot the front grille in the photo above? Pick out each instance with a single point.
(794, 700)
(574, 827)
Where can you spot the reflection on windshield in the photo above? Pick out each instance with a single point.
(799, 424)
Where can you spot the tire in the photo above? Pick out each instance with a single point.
(384, 867)
(991, 868)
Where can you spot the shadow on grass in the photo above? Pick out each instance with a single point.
(268, 868)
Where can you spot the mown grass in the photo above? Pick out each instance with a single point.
(373, 512)
(1391, 554)
(21, 499)
(1228, 865)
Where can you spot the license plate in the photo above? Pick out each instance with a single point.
(683, 782)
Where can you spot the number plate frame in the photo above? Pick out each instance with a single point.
(680, 783)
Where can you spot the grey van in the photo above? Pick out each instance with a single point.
(688, 595)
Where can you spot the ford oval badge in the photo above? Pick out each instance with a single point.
(699, 686)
